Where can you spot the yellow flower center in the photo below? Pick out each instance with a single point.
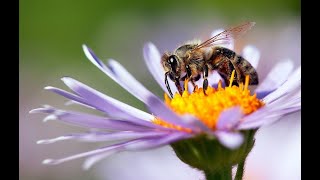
(207, 108)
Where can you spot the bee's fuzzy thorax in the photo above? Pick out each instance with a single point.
(194, 41)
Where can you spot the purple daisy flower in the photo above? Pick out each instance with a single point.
(133, 129)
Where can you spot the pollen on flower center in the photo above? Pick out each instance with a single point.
(207, 108)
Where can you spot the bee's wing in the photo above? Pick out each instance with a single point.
(227, 35)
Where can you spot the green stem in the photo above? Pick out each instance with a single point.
(221, 174)
(240, 170)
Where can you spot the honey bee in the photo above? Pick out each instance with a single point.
(192, 60)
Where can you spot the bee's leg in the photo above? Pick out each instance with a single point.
(177, 83)
(167, 84)
(205, 78)
(186, 77)
(193, 80)
(189, 75)
(235, 83)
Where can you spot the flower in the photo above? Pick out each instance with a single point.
(236, 111)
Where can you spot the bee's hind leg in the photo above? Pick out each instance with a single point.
(205, 79)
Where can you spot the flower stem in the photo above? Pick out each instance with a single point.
(221, 174)
(240, 170)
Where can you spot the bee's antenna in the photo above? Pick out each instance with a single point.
(167, 84)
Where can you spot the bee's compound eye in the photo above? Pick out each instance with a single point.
(173, 62)
(172, 59)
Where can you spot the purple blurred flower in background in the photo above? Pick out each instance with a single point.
(130, 129)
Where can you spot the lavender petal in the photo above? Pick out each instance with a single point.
(159, 109)
(68, 95)
(90, 161)
(275, 78)
(288, 103)
(105, 136)
(251, 54)
(124, 135)
(293, 82)
(104, 102)
(231, 140)
(287, 100)
(115, 110)
(229, 118)
(128, 81)
(156, 142)
(72, 102)
(256, 124)
(92, 121)
(53, 140)
(97, 62)
(114, 70)
(265, 117)
(110, 149)
(139, 145)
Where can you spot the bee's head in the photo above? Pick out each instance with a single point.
(171, 66)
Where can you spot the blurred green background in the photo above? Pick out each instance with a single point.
(51, 34)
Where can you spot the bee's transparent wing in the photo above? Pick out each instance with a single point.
(227, 36)
(227, 44)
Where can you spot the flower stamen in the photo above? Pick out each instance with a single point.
(232, 78)
(207, 108)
